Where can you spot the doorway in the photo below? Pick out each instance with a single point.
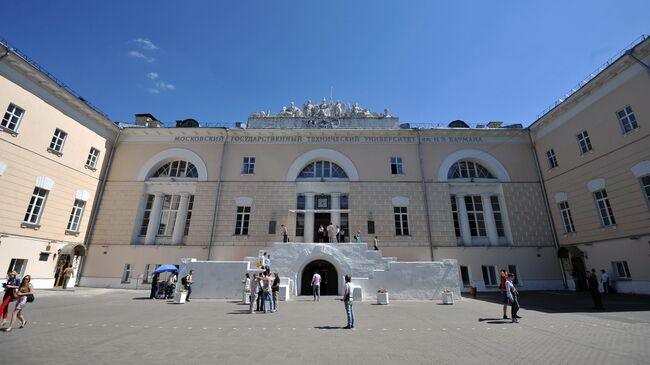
(329, 283)
(579, 272)
(324, 220)
(63, 262)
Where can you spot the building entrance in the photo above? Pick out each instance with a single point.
(329, 284)
(324, 220)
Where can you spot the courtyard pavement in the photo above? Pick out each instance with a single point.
(111, 326)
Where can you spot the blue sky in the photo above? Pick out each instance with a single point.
(427, 61)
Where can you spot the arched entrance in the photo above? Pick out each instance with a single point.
(69, 255)
(329, 278)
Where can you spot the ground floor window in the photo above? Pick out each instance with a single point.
(148, 272)
(489, 275)
(464, 276)
(345, 226)
(242, 221)
(18, 265)
(622, 270)
(126, 275)
(513, 270)
(300, 224)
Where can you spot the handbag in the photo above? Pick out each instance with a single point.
(30, 298)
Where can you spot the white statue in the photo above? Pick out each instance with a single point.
(308, 109)
(338, 109)
(295, 112)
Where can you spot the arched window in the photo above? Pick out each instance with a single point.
(468, 170)
(178, 168)
(322, 169)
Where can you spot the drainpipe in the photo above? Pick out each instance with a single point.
(97, 203)
(216, 204)
(548, 208)
(424, 190)
(630, 52)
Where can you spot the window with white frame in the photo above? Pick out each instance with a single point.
(567, 219)
(468, 170)
(147, 215)
(475, 216)
(18, 265)
(12, 117)
(36, 205)
(645, 185)
(489, 275)
(93, 157)
(322, 169)
(551, 159)
(401, 221)
(454, 213)
(604, 208)
(300, 217)
(498, 216)
(622, 270)
(584, 143)
(464, 276)
(242, 221)
(149, 270)
(514, 270)
(126, 274)
(168, 214)
(248, 167)
(178, 168)
(75, 216)
(627, 119)
(188, 218)
(58, 139)
(396, 166)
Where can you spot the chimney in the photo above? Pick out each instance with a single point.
(494, 124)
(147, 120)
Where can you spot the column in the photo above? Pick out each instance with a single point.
(465, 233)
(489, 219)
(309, 217)
(154, 219)
(181, 217)
(335, 216)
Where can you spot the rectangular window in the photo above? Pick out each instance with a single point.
(567, 219)
(474, 208)
(551, 159)
(622, 270)
(345, 226)
(36, 205)
(513, 269)
(604, 208)
(401, 221)
(371, 227)
(146, 275)
(58, 139)
(18, 265)
(396, 167)
(147, 215)
(75, 216)
(344, 202)
(627, 119)
(454, 212)
(300, 216)
(498, 216)
(188, 218)
(464, 276)
(126, 274)
(489, 275)
(300, 202)
(584, 142)
(12, 117)
(243, 220)
(248, 168)
(645, 185)
(168, 215)
(93, 156)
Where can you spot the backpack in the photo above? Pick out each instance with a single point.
(184, 280)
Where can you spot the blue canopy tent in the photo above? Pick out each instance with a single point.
(166, 268)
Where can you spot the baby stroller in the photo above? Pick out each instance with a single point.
(169, 291)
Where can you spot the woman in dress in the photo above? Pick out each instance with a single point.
(21, 294)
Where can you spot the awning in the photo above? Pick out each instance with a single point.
(73, 249)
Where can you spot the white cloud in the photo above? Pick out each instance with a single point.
(153, 91)
(152, 75)
(139, 55)
(145, 44)
(161, 85)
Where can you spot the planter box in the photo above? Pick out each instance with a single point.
(382, 298)
(179, 297)
(447, 298)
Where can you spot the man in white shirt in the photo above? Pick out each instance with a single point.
(512, 297)
(347, 300)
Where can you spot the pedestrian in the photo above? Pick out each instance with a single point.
(321, 233)
(247, 288)
(188, 284)
(171, 285)
(154, 286)
(267, 264)
(338, 234)
(504, 293)
(13, 283)
(512, 297)
(266, 294)
(342, 234)
(260, 291)
(254, 295)
(67, 274)
(375, 243)
(275, 289)
(357, 237)
(21, 295)
(347, 300)
(285, 233)
(604, 279)
(315, 286)
(331, 231)
(592, 282)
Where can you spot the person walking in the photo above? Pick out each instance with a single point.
(275, 289)
(315, 286)
(347, 300)
(188, 284)
(504, 293)
(254, 293)
(604, 279)
(592, 283)
(67, 274)
(13, 283)
(512, 297)
(331, 231)
(375, 243)
(285, 233)
(154, 286)
(21, 295)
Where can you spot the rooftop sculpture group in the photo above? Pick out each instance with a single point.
(334, 110)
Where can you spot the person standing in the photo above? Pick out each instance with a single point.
(321, 233)
(247, 288)
(604, 279)
(67, 274)
(331, 231)
(512, 297)
(266, 294)
(342, 235)
(315, 286)
(267, 264)
(285, 233)
(504, 293)
(275, 288)
(254, 293)
(592, 282)
(375, 243)
(154, 286)
(21, 294)
(188, 284)
(171, 285)
(357, 237)
(10, 287)
(347, 300)
(338, 234)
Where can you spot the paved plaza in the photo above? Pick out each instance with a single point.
(102, 326)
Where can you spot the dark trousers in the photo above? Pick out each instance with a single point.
(189, 291)
(259, 300)
(514, 308)
(598, 301)
(285, 238)
(154, 288)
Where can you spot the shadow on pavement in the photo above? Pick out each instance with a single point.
(241, 311)
(571, 302)
(142, 298)
(328, 327)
